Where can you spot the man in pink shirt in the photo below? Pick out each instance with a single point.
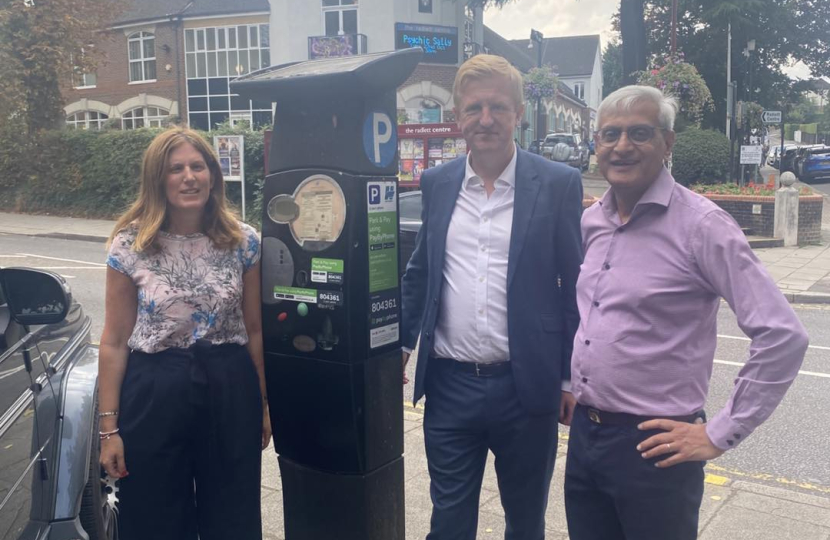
(658, 259)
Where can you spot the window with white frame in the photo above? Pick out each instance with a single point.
(83, 80)
(579, 90)
(86, 120)
(214, 56)
(340, 17)
(142, 54)
(143, 117)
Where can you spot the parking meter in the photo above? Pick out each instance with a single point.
(331, 292)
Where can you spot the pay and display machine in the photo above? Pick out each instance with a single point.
(331, 292)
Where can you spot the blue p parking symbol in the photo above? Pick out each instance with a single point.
(380, 141)
(374, 194)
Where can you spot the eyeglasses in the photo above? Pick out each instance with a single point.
(638, 135)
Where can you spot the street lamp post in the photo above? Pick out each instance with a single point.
(539, 39)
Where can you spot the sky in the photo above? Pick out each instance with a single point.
(557, 18)
(554, 18)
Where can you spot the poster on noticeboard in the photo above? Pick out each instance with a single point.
(231, 152)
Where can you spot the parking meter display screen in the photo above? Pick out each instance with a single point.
(321, 213)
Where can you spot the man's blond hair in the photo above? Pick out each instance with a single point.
(487, 66)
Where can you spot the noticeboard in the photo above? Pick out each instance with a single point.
(752, 155)
(440, 43)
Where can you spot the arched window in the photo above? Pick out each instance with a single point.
(560, 126)
(142, 53)
(144, 117)
(86, 120)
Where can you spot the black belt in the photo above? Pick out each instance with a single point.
(624, 419)
(477, 369)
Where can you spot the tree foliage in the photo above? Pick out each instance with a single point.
(42, 42)
(784, 31)
(612, 69)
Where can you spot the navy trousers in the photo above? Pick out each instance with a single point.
(612, 493)
(191, 422)
(465, 416)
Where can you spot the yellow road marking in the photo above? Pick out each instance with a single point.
(716, 480)
(770, 478)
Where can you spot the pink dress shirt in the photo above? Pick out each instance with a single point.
(648, 296)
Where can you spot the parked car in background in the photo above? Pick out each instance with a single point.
(51, 487)
(579, 156)
(535, 147)
(800, 153)
(409, 204)
(813, 163)
(788, 160)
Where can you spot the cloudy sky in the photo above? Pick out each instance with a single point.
(555, 18)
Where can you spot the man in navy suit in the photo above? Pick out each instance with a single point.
(490, 289)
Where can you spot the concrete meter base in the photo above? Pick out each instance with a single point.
(321, 505)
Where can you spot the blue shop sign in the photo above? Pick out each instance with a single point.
(440, 43)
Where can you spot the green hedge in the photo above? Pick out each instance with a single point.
(95, 174)
(700, 156)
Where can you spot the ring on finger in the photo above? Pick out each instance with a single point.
(668, 446)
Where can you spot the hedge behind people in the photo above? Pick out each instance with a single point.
(700, 156)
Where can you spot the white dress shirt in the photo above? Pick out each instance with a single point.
(472, 322)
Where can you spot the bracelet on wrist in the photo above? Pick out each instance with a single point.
(107, 413)
(105, 435)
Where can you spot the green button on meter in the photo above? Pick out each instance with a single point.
(302, 309)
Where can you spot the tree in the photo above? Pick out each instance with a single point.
(633, 33)
(612, 78)
(783, 30)
(42, 44)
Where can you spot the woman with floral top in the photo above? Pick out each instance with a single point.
(181, 382)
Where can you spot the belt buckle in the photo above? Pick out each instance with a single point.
(478, 373)
(593, 415)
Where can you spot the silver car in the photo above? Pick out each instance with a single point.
(51, 487)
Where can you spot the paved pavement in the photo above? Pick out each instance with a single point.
(734, 506)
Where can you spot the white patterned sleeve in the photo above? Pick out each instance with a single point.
(250, 250)
(121, 256)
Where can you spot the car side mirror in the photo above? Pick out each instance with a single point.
(35, 296)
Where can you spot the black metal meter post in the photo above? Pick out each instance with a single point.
(331, 292)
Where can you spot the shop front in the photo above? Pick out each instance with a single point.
(421, 146)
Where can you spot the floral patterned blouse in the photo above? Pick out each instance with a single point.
(188, 289)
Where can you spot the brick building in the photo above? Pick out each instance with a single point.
(172, 59)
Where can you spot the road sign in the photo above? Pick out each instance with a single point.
(752, 155)
(771, 117)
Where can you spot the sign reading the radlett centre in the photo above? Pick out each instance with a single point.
(440, 43)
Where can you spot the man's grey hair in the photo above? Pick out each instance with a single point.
(627, 97)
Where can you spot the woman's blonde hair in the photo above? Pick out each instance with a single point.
(149, 212)
(486, 66)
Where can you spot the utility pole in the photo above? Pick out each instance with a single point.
(729, 97)
(673, 27)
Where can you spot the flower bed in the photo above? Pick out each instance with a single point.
(753, 207)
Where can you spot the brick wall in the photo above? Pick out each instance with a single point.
(113, 85)
(763, 224)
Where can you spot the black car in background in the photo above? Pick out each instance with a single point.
(51, 486)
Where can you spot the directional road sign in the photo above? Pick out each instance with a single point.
(771, 117)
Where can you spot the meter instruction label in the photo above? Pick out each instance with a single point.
(382, 205)
(327, 271)
(295, 294)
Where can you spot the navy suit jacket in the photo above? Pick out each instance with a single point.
(543, 264)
